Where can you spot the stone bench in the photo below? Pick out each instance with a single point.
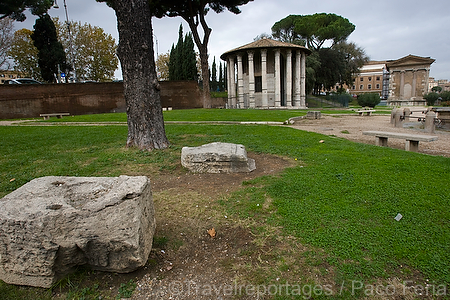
(58, 115)
(412, 140)
(367, 112)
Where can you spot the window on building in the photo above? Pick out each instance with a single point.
(353, 87)
(258, 84)
(370, 78)
(361, 87)
(378, 86)
(378, 78)
(369, 86)
(361, 79)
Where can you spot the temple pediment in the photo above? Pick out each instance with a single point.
(410, 60)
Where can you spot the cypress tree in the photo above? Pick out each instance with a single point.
(214, 76)
(172, 59)
(51, 52)
(179, 75)
(183, 62)
(190, 62)
(220, 77)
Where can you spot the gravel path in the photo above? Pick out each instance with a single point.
(351, 127)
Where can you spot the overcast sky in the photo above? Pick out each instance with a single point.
(385, 29)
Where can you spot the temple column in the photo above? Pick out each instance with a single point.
(297, 79)
(414, 82)
(240, 81)
(251, 79)
(303, 80)
(231, 83)
(265, 101)
(288, 78)
(277, 78)
(402, 85)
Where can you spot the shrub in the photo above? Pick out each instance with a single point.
(431, 98)
(369, 99)
(445, 96)
(342, 98)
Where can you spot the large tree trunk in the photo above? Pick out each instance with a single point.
(203, 50)
(141, 88)
(205, 75)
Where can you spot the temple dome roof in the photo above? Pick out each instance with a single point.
(265, 43)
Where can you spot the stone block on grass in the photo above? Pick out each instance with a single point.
(217, 158)
(53, 224)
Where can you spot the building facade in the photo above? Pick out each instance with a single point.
(8, 74)
(266, 73)
(402, 81)
(408, 80)
(373, 78)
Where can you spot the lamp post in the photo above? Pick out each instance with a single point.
(72, 58)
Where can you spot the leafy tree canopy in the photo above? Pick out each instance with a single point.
(93, 49)
(25, 54)
(15, 8)
(315, 29)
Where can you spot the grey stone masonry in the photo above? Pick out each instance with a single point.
(217, 158)
(52, 224)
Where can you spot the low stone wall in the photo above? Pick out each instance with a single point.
(411, 102)
(28, 101)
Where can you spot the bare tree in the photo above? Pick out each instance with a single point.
(6, 39)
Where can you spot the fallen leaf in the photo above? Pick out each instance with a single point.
(321, 141)
(212, 232)
(12, 180)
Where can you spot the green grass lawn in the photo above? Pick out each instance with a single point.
(342, 199)
(211, 115)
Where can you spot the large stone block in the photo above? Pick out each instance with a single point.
(52, 224)
(217, 158)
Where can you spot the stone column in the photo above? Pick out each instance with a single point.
(402, 85)
(231, 83)
(429, 121)
(414, 82)
(265, 100)
(228, 83)
(303, 80)
(289, 77)
(251, 79)
(398, 118)
(297, 78)
(277, 78)
(240, 81)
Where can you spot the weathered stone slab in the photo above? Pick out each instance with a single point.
(52, 224)
(217, 158)
(313, 114)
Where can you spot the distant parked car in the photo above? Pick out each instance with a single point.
(22, 81)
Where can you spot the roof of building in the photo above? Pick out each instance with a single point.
(265, 43)
(410, 60)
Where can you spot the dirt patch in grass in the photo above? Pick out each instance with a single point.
(186, 262)
(189, 263)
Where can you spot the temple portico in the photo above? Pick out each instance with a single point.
(266, 73)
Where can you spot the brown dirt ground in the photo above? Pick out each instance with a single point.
(187, 267)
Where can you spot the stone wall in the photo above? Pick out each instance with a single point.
(28, 101)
